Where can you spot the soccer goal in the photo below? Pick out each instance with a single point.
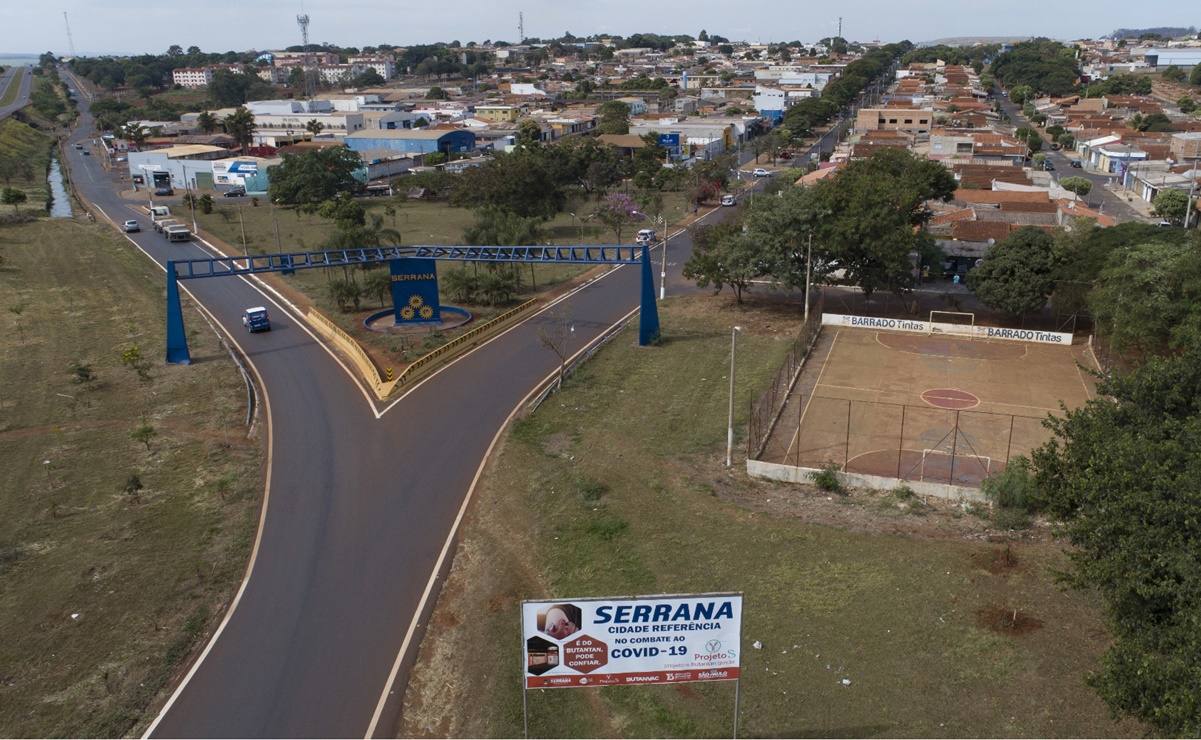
(940, 462)
(958, 323)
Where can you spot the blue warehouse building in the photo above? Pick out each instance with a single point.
(412, 141)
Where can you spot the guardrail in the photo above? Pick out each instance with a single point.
(414, 370)
(370, 373)
(351, 349)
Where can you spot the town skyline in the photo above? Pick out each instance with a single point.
(111, 29)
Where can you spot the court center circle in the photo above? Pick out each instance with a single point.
(950, 398)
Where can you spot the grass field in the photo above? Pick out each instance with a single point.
(27, 152)
(617, 486)
(106, 588)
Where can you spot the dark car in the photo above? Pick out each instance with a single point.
(256, 319)
(1049, 165)
(1076, 164)
(235, 192)
(164, 191)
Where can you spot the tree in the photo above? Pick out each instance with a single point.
(206, 122)
(1173, 73)
(1145, 296)
(241, 126)
(520, 182)
(1015, 275)
(554, 333)
(877, 208)
(617, 212)
(1020, 94)
(1123, 475)
(496, 227)
(314, 127)
(369, 78)
(436, 93)
(1186, 104)
(12, 197)
(614, 118)
(144, 433)
(315, 176)
(378, 283)
(724, 255)
(1170, 204)
(1081, 186)
(1194, 77)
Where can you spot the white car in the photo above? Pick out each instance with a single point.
(132, 226)
(760, 172)
(645, 237)
(728, 200)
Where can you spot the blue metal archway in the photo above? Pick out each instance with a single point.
(177, 343)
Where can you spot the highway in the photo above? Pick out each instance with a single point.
(22, 98)
(361, 501)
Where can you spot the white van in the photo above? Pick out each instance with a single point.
(645, 237)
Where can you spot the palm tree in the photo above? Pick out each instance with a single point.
(376, 234)
(314, 127)
(206, 122)
(240, 125)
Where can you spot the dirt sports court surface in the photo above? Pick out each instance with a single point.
(924, 407)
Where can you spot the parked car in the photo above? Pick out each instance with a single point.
(1048, 165)
(728, 200)
(79, 146)
(760, 172)
(237, 192)
(256, 319)
(1076, 164)
(164, 191)
(1054, 147)
(132, 226)
(86, 153)
(785, 155)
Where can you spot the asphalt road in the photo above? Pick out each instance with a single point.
(1100, 195)
(360, 502)
(22, 98)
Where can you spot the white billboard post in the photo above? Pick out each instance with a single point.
(678, 638)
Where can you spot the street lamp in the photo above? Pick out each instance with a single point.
(663, 266)
(730, 427)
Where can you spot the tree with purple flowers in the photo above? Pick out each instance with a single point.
(618, 211)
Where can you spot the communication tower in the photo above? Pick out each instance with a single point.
(521, 28)
(70, 41)
(310, 73)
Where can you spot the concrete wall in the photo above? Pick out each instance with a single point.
(790, 474)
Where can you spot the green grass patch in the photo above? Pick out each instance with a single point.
(24, 161)
(895, 616)
(108, 584)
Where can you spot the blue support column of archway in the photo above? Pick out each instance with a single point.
(648, 319)
(177, 340)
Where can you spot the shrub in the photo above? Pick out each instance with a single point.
(591, 489)
(826, 478)
(1013, 488)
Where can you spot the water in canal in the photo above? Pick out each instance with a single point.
(61, 207)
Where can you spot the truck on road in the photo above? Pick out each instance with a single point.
(177, 233)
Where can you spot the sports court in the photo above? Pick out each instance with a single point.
(925, 407)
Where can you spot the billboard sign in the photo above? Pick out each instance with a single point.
(575, 643)
(415, 291)
(669, 141)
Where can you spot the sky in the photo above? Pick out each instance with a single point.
(142, 26)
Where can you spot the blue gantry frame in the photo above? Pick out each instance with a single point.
(177, 343)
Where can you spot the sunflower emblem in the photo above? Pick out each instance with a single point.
(407, 313)
(427, 312)
(416, 301)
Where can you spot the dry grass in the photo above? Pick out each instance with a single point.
(104, 592)
(830, 593)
